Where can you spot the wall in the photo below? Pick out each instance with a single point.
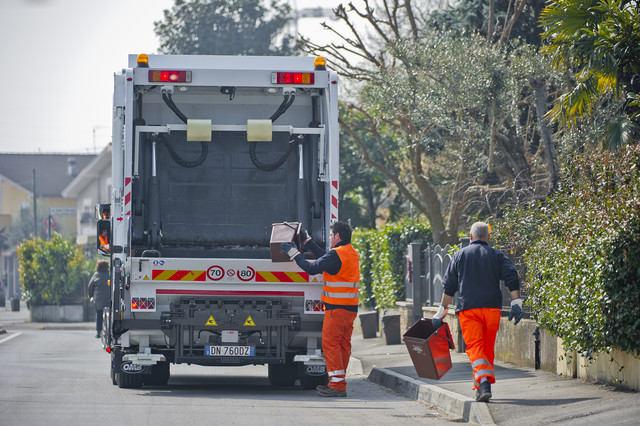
(97, 190)
(11, 197)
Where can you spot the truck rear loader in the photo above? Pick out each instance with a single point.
(208, 152)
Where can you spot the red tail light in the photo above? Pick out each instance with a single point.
(292, 78)
(169, 76)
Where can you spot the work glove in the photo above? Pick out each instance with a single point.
(290, 249)
(516, 311)
(436, 321)
(304, 236)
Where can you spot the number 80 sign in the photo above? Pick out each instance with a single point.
(216, 273)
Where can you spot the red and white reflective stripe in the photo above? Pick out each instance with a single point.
(334, 200)
(127, 196)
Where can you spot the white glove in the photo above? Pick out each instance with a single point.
(442, 311)
(290, 249)
(436, 321)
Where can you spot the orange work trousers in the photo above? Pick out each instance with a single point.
(479, 329)
(336, 345)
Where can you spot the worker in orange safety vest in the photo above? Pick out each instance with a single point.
(475, 273)
(340, 267)
(104, 240)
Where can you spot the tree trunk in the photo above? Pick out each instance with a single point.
(540, 89)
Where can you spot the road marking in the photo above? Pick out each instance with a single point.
(6, 339)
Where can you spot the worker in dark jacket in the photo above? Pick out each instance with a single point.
(340, 267)
(100, 292)
(475, 273)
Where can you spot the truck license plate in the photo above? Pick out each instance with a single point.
(230, 350)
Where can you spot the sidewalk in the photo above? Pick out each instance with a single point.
(520, 395)
(10, 321)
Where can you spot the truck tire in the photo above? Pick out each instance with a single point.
(113, 377)
(282, 375)
(308, 381)
(129, 381)
(159, 376)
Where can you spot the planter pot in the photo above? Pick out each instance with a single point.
(391, 329)
(369, 324)
(15, 304)
(57, 313)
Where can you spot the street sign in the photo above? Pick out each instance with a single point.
(49, 222)
(62, 211)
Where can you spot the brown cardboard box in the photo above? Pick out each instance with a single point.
(286, 232)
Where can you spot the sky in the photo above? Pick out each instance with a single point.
(58, 59)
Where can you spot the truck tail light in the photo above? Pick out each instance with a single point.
(169, 76)
(143, 303)
(292, 77)
(314, 306)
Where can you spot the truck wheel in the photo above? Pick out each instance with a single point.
(310, 381)
(159, 376)
(282, 374)
(113, 377)
(129, 381)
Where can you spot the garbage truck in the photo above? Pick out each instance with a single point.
(208, 153)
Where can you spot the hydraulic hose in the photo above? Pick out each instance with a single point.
(284, 106)
(166, 97)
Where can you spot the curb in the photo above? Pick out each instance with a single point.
(450, 402)
(355, 367)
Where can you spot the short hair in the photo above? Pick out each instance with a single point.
(480, 231)
(343, 229)
(102, 265)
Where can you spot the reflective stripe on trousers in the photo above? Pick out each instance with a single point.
(336, 376)
(336, 344)
(479, 329)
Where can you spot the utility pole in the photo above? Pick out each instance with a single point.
(35, 212)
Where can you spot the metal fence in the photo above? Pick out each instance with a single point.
(426, 267)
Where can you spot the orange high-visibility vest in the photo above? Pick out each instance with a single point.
(342, 288)
(103, 240)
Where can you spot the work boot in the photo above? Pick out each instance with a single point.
(331, 392)
(97, 335)
(484, 393)
(321, 387)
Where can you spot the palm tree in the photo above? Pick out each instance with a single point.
(598, 41)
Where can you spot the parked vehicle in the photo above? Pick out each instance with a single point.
(208, 153)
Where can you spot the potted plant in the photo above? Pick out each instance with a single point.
(52, 274)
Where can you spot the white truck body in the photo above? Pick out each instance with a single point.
(192, 208)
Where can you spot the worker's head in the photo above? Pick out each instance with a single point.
(102, 265)
(340, 231)
(479, 231)
(104, 232)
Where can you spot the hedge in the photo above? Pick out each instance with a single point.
(382, 260)
(583, 255)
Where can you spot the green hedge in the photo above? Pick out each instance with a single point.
(382, 260)
(52, 272)
(583, 259)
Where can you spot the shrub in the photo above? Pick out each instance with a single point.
(52, 272)
(382, 260)
(583, 259)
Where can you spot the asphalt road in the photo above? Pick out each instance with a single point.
(61, 377)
